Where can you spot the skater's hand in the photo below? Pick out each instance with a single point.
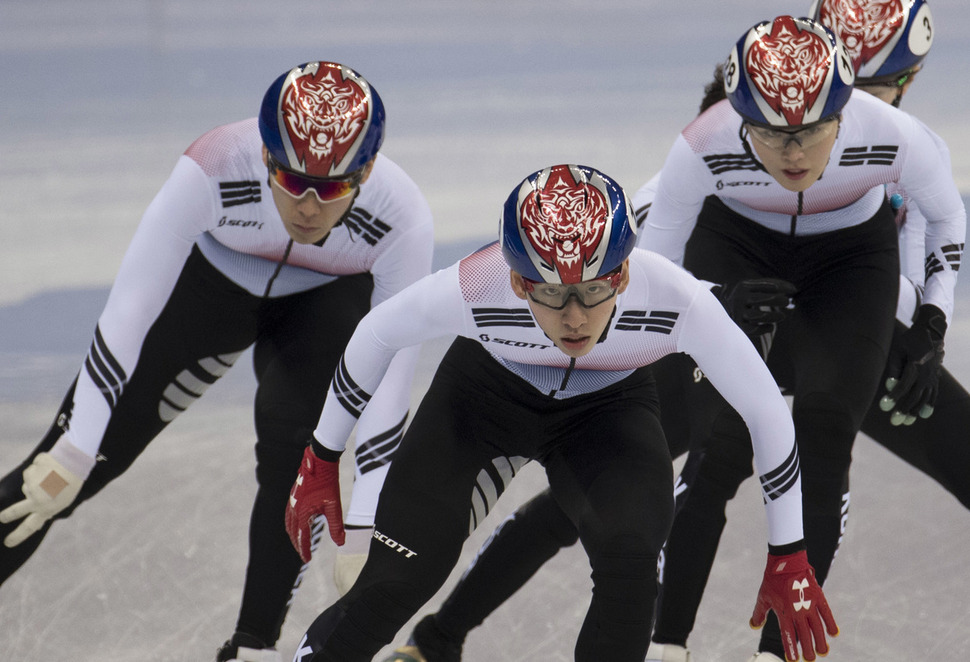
(756, 305)
(790, 590)
(49, 488)
(315, 492)
(913, 369)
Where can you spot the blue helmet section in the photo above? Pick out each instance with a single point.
(789, 72)
(567, 224)
(884, 39)
(322, 119)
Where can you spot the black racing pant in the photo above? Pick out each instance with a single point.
(206, 323)
(609, 471)
(534, 533)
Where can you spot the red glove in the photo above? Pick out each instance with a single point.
(316, 491)
(790, 590)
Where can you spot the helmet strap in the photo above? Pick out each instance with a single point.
(341, 220)
(606, 329)
(743, 135)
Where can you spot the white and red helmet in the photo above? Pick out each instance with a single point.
(885, 39)
(789, 72)
(567, 224)
(322, 119)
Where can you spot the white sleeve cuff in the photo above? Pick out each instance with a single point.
(72, 458)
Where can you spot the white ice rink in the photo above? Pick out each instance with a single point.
(99, 98)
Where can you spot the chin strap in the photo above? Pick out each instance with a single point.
(743, 135)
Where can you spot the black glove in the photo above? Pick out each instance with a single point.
(756, 304)
(913, 369)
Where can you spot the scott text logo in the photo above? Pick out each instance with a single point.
(395, 545)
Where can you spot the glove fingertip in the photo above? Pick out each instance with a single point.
(17, 511)
(18, 536)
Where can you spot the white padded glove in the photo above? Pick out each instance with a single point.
(51, 483)
(350, 558)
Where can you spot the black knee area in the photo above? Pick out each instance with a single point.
(617, 625)
(825, 431)
(279, 449)
(363, 621)
(823, 416)
(625, 582)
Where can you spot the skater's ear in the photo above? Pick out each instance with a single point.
(517, 283)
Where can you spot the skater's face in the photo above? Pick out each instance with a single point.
(575, 329)
(307, 217)
(795, 159)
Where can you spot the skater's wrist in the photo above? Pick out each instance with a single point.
(72, 458)
(787, 549)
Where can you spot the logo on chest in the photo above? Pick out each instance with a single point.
(225, 221)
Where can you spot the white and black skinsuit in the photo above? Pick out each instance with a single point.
(727, 219)
(504, 393)
(210, 272)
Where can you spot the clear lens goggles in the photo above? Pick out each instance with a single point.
(326, 188)
(779, 139)
(588, 294)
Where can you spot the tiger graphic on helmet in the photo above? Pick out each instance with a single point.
(561, 221)
(567, 224)
(788, 72)
(322, 119)
(776, 65)
(864, 27)
(884, 38)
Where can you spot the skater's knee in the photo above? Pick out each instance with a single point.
(625, 576)
(279, 449)
(825, 424)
